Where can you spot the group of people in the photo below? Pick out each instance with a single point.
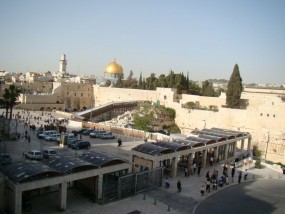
(217, 181)
(178, 184)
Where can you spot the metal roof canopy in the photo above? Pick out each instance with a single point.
(68, 164)
(232, 132)
(152, 149)
(100, 160)
(189, 143)
(212, 137)
(218, 135)
(201, 140)
(21, 172)
(172, 145)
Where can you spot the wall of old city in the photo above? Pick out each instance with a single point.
(105, 95)
(263, 117)
(74, 95)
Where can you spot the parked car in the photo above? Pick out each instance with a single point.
(81, 131)
(87, 132)
(107, 136)
(81, 145)
(5, 158)
(93, 134)
(47, 153)
(69, 137)
(100, 132)
(70, 143)
(96, 133)
(52, 137)
(33, 155)
(47, 133)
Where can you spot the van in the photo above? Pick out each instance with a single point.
(47, 133)
(65, 138)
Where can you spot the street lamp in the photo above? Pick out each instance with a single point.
(205, 123)
(267, 145)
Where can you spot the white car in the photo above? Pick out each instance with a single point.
(47, 133)
(33, 155)
(47, 153)
(52, 137)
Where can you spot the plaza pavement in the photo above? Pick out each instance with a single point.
(158, 200)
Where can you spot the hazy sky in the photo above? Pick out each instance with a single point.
(205, 38)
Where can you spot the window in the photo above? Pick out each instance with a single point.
(75, 94)
(165, 97)
(81, 94)
(261, 114)
(272, 103)
(67, 93)
(273, 115)
(267, 115)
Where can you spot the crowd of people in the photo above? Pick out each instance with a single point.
(213, 180)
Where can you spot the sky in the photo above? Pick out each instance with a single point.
(204, 38)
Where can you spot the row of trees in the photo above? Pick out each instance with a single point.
(172, 80)
(184, 85)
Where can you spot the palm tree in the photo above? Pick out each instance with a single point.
(10, 97)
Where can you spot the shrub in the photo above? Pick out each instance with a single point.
(258, 164)
(256, 152)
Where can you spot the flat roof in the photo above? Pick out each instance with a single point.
(100, 159)
(67, 164)
(25, 171)
(151, 149)
(172, 145)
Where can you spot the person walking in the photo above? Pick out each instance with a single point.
(208, 187)
(194, 167)
(233, 173)
(245, 175)
(211, 161)
(119, 142)
(186, 172)
(199, 169)
(179, 188)
(166, 182)
(239, 177)
(202, 190)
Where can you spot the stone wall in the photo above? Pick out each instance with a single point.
(264, 114)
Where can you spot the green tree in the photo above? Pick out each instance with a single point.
(162, 82)
(151, 82)
(119, 83)
(140, 86)
(207, 89)
(171, 79)
(234, 89)
(10, 97)
(194, 88)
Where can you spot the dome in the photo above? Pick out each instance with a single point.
(114, 68)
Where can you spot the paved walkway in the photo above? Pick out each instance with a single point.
(159, 200)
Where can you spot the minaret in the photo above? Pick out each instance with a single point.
(62, 64)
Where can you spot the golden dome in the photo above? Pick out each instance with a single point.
(114, 68)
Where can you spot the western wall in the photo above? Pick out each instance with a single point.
(263, 117)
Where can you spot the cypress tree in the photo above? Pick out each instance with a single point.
(235, 89)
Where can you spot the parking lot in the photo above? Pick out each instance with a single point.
(17, 147)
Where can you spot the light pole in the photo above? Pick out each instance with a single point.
(205, 123)
(267, 145)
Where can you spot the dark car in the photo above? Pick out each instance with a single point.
(5, 159)
(81, 131)
(87, 132)
(81, 145)
(70, 143)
